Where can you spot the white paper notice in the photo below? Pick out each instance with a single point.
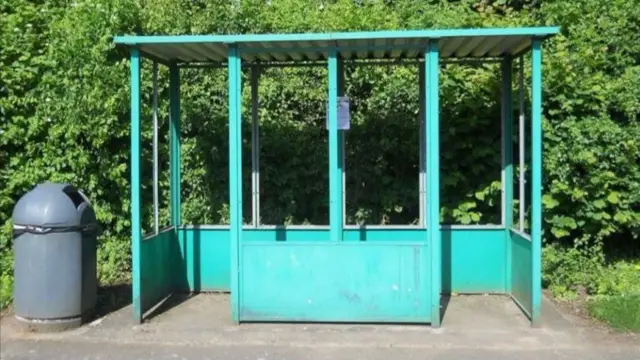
(344, 117)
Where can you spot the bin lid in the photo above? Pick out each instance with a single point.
(50, 205)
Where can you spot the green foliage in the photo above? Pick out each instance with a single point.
(64, 105)
(621, 312)
(620, 278)
(569, 272)
(6, 273)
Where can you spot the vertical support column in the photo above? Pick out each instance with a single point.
(335, 172)
(433, 171)
(507, 163)
(422, 179)
(155, 148)
(522, 197)
(255, 148)
(174, 143)
(507, 144)
(342, 139)
(536, 181)
(235, 175)
(136, 230)
(174, 178)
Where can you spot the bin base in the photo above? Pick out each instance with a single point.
(50, 325)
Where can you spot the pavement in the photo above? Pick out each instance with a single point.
(199, 327)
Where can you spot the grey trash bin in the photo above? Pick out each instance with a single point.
(55, 230)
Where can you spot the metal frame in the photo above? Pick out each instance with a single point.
(136, 225)
(536, 180)
(255, 147)
(336, 221)
(377, 62)
(522, 196)
(342, 139)
(422, 176)
(347, 227)
(174, 143)
(235, 173)
(155, 148)
(506, 132)
(429, 185)
(432, 121)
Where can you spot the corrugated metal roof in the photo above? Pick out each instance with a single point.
(453, 43)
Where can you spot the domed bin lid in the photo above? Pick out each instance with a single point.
(51, 205)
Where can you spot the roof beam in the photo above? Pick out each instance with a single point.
(503, 46)
(522, 47)
(380, 45)
(540, 32)
(219, 50)
(487, 45)
(280, 55)
(450, 45)
(352, 62)
(304, 45)
(150, 54)
(204, 54)
(189, 54)
(468, 46)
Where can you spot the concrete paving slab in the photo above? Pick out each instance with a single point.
(200, 327)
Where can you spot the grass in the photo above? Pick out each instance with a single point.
(620, 312)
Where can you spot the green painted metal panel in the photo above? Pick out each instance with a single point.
(349, 235)
(208, 266)
(432, 69)
(235, 175)
(389, 235)
(136, 225)
(473, 261)
(337, 282)
(536, 180)
(159, 255)
(521, 271)
(507, 161)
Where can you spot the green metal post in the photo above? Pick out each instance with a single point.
(174, 143)
(235, 175)
(174, 175)
(342, 138)
(136, 230)
(433, 174)
(536, 181)
(422, 177)
(507, 164)
(255, 146)
(335, 171)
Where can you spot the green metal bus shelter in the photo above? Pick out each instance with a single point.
(342, 272)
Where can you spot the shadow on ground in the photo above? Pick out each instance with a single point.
(111, 299)
(172, 301)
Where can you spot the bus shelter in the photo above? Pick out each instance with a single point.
(341, 272)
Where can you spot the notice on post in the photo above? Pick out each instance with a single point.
(344, 117)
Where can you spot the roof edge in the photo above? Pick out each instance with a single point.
(132, 40)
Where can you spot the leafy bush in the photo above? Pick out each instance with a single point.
(568, 272)
(64, 104)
